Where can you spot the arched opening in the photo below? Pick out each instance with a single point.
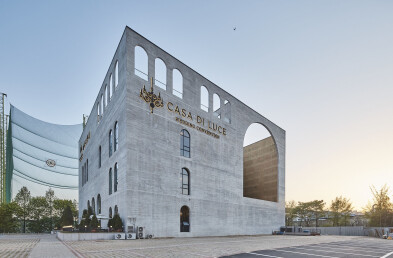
(106, 95)
(115, 178)
(93, 205)
(204, 99)
(88, 204)
(116, 74)
(160, 74)
(116, 210)
(102, 104)
(226, 114)
(99, 204)
(185, 179)
(184, 219)
(141, 63)
(98, 112)
(110, 142)
(111, 88)
(216, 105)
(99, 156)
(260, 164)
(110, 212)
(116, 137)
(177, 83)
(110, 181)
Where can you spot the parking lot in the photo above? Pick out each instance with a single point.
(367, 247)
(36, 245)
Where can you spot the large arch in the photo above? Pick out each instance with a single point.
(260, 164)
(185, 219)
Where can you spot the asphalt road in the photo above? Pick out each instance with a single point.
(359, 248)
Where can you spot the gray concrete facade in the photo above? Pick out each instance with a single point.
(149, 175)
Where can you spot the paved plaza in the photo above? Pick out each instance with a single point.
(40, 245)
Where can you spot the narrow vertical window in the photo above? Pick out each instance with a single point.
(102, 104)
(99, 204)
(111, 88)
(87, 170)
(185, 143)
(98, 112)
(93, 205)
(88, 204)
(160, 74)
(110, 142)
(141, 63)
(177, 83)
(99, 156)
(116, 74)
(184, 219)
(83, 175)
(204, 99)
(116, 210)
(106, 95)
(110, 181)
(185, 178)
(115, 178)
(116, 137)
(110, 212)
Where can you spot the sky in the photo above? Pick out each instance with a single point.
(321, 70)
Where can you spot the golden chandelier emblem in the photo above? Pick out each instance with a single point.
(150, 97)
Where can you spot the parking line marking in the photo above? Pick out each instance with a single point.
(333, 252)
(351, 247)
(266, 255)
(387, 255)
(347, 248)
(319, 255)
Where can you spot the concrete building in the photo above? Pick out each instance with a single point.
(167, 153)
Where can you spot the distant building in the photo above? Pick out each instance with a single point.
(168, 154)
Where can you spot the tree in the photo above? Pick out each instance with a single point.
(117, 224)
(38, 211)
(317, 209)
(67, 219)
(8, 213)
(380, 211)
(303, 211)
(290, 212)
(50, 198)
(94, 222)
(341, 208)
(22, 198)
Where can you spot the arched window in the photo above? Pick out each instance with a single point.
(110, 181)
(115, 178)
(185, 143)
(102, 104)
(204, 99)
(116, 210)
(227, 111)
(110, 212)
(98, 112)
(116, 137)
(184, 219)
(141, 63)
(88, 204)
(216, 105)
(87, 170)
(185, 179)
(160, 74)
(177, 83)
(110, 142)
(99, 156)
(99, 204)
(106, 95)
(111, 88)
(93, 205)
(116, 74)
